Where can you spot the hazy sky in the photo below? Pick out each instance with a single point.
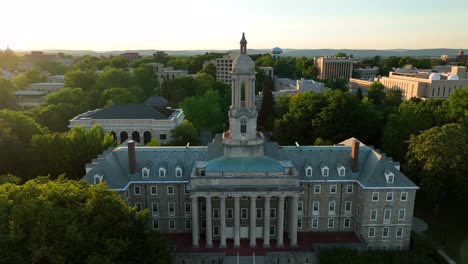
(218, 24)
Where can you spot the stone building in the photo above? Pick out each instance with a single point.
(243, 191)
(334, 67)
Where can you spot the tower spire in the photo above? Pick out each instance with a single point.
(243, 44)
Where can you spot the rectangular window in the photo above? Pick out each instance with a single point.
(188, 224)
(404, 196)
(162, 136)
(172, 225)
(315, 207)
(299, 223)
(348, 206)
(259, 213)
(229, 213)
(373, 215)
(171, 208)
(272, 213)
(347, 223)
(300, 207)
(375, 196)
(170, 190)
(203, 209)
(155, 224)
(215, 230)
(371, 232)
(331, 222)
(333, 188)
(155, 208)
(138, 206)
(387, 215)
(331, 207)
(402, 214)
(389, 196)
(188, 208)
(137, 190)
(399, 232)
(215, 213)
(244, 214)
(385, 232)
(185, 190)
(203, 223)
(349, 188)
(317, 189)
(315, 222)
(154, 190)
(272, 230)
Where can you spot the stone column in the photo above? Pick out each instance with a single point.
(253, 221)
(209, 227)
(222, 202)
(195, 226)
(280, 228)
(294, 213)
(236, 222)
(266, 223)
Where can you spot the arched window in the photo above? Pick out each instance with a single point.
(98, 178)
(123, 136)
(145, 172)
(309, 171)
(162, 172)
(178, 172)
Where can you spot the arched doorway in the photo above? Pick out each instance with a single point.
(146, 137)
(136, 136)
(123, 136)
(114, 136)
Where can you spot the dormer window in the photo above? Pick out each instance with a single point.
(389, 176)
(202, 172)
(98, 178)
(308, 171)
(341, 169)
(162, 172)
(145, 172)
(324, 169)
(178, 172)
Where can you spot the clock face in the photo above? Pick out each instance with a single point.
(243, 121)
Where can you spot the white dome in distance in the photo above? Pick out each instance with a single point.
(434, 76)
(453, 77)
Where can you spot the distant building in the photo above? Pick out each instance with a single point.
(56, 78)
(131, 56)
(367, 73)
(356, 84)
(334, 68)
(460, 57)
(268, 71)
(140, 122)
(159, 54)
(223, 67)
(276, 52)
(35, 94)
(48, 87)
(38, 56)
(168, 73)
(156, 101)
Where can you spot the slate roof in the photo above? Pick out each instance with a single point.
(130, 111)
(157, 101)
(372, 164)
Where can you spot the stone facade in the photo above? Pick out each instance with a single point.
(334, 68)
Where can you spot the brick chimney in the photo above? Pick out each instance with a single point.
(354, 156)
(131, 157)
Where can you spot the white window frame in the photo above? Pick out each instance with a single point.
(404, 214)
(272, 227)
(135, 188)
(189, 211)
(155, 189)
(350, 207)
(383, 232)
(332, 212)
(98, 178)
(216, 230)
(389, 218)
(349, 223)
(185, 190)
(331, 187)
(325, 170)
(319, 187)
(331, 220)
(259, 213)
(369, 233)
(389, 195)
(348, 189)
(173, 222)
(315, 223)
(341, 171)
(396, 233)
(309, 171)
(162, 172)
(215, 213)
(229, 211)
(370, 215)
(145, 172)
(177, 170)
(375, 194)
(300, 207)
(299, 223)
(170, 187)
(139, 206)
(244, 213)
(189, 226)
(406, 196)
(315, 212)
(155, 223)
(273, 213)
(152, 208)
(169, 206)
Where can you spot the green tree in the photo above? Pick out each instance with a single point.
(77, 78)
(183, 134)
(266, 115)
(7, 98)
(21, 125)
(394, 97)
(341, 55)
(9, 178)
(73, 96)
(118, 96)
(456, 107)
(53, 67)
(114, 78)
(66, 221)
(376, 93)
(153, 143)
(437, 160)
(146, 79)
(204, 111)
(210, 69)
(176, 90)
(118, 62)
(32, 76)
(56, 117)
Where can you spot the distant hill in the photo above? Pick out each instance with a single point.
(286, 52)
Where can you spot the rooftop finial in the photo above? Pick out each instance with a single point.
(243, 43)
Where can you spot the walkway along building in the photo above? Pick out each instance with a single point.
(244, 193)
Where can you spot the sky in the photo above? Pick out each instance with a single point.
(105, 25)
